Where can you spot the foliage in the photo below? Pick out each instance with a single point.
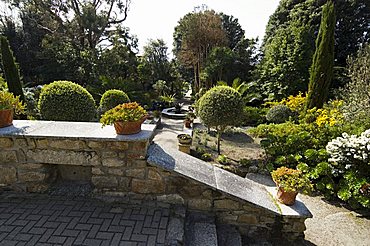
(350, 158)
(112, 98)
(169, 100)
(291, 180)
(71, 40)
(66, 101)
(321, 72)
(288, 44)
(155, 65)
(279, 114)
(206, 157)
(160, 87)
(220, 107)
(123, 112)
(9, 101)
(184, 137)
(32, 95)
(356, 93)
(10, 69)
(195, 36)
(254, 116)
(3, 85)
(223, 159)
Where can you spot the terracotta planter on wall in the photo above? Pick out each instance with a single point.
(129, 127)
(6, 117)
(287, 198)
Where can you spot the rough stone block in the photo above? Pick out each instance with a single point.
(104, 181)
(116, 171)
(82, 158)
(8, 175)
(30, 166)
(299, 227)
(147, 186)
(200, 204)
(67, 144)
(154, 175)
(171, 199)
(42, 143)
(226, 204)
(137, 163)
(113, 162)
(124, 184)
(117, 145)
(6, 143)
(96, 171)
(8, 157)
(96, 145)
(25, 143)
(135, 173)
(138, 146)
(108, 154)
(247, 219)
(31, 176)
(136, 155)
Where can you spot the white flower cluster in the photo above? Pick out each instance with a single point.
(349, 149)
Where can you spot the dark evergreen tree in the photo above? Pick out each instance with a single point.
(321, 73)
(10, 69)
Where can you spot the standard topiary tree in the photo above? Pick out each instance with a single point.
(220, 107)
(321, 72)
(111, 98)
(11, 71)
(66, 101)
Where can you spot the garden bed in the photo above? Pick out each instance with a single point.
(240, 153)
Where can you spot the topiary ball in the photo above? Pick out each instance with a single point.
(66, 101)
(112, 98)
(220, 107)
(279, 114)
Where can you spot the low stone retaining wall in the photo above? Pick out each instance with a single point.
(34, 154)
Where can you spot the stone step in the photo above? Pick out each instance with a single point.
(200, 230)
(228, 235)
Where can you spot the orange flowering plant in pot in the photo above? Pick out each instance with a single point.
(289, 182)
(127, 118)
(9, 104)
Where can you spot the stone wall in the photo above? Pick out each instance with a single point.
(30, 162)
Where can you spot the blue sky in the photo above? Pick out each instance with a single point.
(157, 19)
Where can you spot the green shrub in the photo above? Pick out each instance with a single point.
(279, 114)
(111, 98)
(222, 159)
(254, 116)
(66, 101)
(220, 107)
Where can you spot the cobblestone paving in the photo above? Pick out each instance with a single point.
(44, 220)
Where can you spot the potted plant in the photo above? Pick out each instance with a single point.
(189, 119)
(127, 118)
(184, 139)
(8, 105)
(290, 182)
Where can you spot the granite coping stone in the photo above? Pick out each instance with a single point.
(169, 158)
(76, 130)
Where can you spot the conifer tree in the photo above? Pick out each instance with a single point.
(10, 68)
(321, 72)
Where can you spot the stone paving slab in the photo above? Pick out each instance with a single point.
(48, 220)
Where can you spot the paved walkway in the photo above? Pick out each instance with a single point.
(48, 220)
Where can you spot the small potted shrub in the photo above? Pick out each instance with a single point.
(290, 182)
(8, 105)
(127, 118)
(184, 138)
(189, 119)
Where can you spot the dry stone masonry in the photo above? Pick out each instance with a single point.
(34, 154)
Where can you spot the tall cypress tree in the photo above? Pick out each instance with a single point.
(11, 71)
(321, 72)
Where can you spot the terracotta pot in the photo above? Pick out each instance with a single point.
(6, 117)
(287, 198)
(187, 123)
(129, 127)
